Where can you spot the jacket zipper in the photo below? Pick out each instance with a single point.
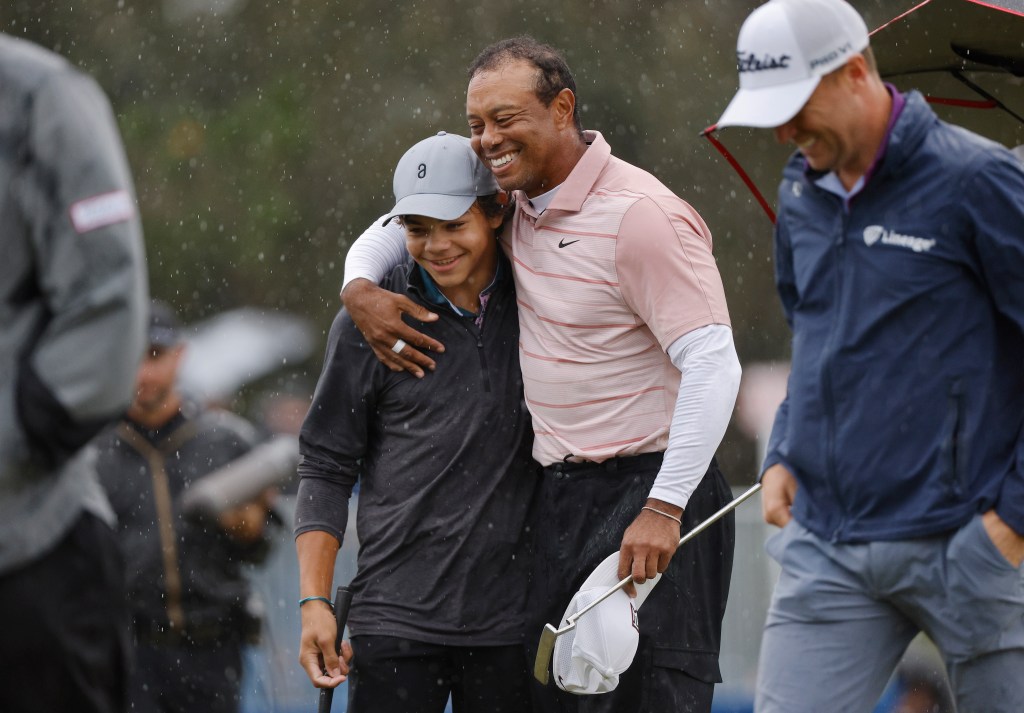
(826, 378)
(485, 374)
(478, 335)
(954, 447)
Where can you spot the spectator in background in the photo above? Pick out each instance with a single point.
(189, 597)
(72, 330)
(282, 409)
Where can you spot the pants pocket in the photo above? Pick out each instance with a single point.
(775, 545)
(986, 592)
(701, 665)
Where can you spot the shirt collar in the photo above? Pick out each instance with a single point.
(432, 293)
(541, 202)
(898, 102)
(573, 191)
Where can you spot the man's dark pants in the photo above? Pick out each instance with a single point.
(187, 676)
(64, 627)
(584, 510)
(396, 675)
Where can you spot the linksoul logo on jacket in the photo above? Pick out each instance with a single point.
(749, 62)
(874, 233)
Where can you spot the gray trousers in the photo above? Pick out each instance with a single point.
(843, 614)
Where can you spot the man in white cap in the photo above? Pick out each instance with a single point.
(896, 463)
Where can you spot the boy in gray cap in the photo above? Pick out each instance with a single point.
(444, 467)
(896, 462)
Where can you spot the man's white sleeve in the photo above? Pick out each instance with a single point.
(375, 253)
(707, 394)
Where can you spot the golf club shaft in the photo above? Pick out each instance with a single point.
(685, 538)
(342, 600)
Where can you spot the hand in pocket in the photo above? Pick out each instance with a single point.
(1006, 540)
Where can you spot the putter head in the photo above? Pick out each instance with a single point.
(545, 648)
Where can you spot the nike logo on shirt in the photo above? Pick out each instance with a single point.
(563, 244)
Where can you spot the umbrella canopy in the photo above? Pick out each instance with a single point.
(240, 346)
(965, 56)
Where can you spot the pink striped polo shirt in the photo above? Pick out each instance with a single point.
(614, 271)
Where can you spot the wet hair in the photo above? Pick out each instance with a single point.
(553, 76)
(496, 204)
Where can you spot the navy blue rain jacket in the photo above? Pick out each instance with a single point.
(905, 403)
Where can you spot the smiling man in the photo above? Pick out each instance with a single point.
(628, 365)
(895, 463)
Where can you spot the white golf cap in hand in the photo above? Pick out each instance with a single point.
(590, 658)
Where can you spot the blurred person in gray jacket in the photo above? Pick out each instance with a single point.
(73, 297)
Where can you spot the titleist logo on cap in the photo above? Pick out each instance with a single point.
(750, 62)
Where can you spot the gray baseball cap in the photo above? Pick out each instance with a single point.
(439, 178)
(164, 326)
